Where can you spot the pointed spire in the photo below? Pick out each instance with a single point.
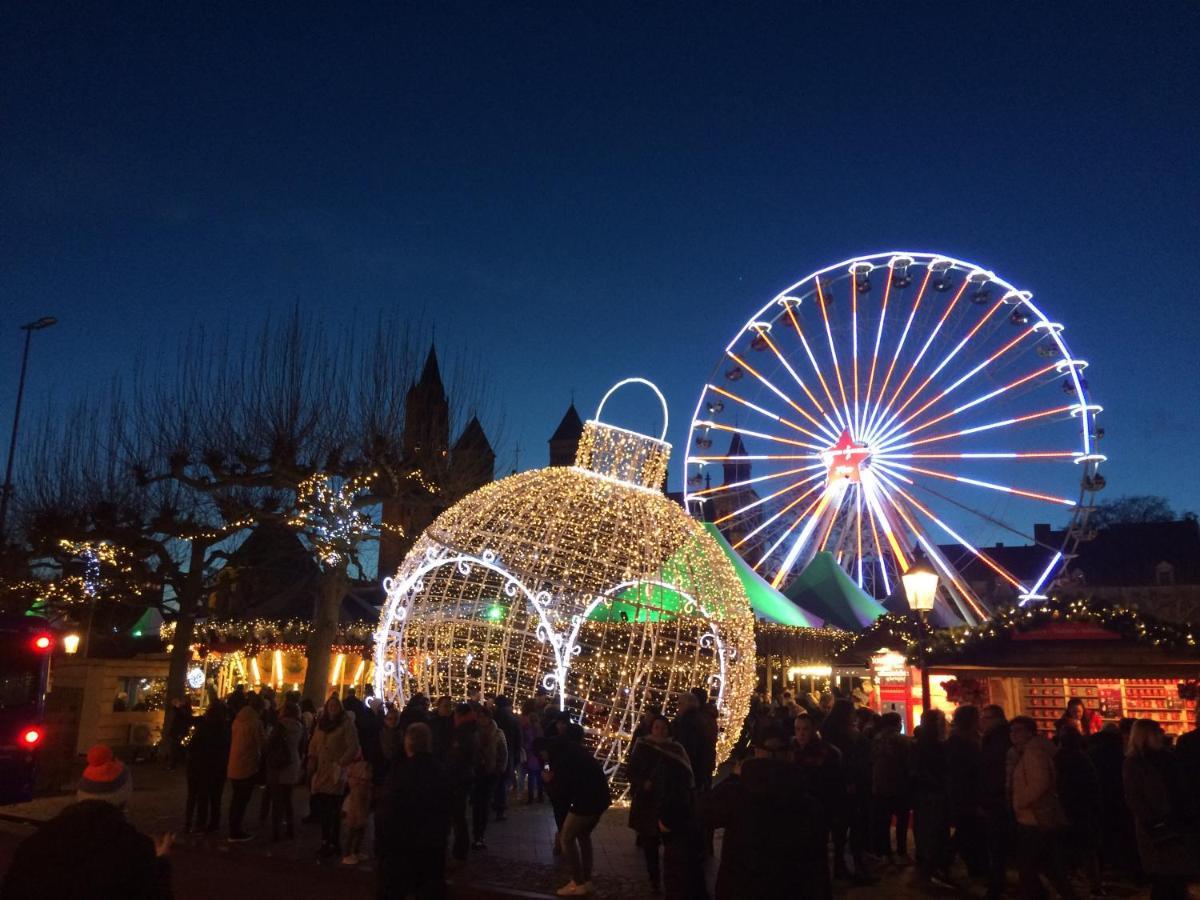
(736, 471)
(565, 440)
(431, 375)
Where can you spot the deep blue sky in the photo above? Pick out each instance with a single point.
(580, 192)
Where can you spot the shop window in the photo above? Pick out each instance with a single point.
(1164, 574)
(139, 693)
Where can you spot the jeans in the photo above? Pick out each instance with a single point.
(883, 809)
(328, 808)
(481, 797)
(281, 809)
(243, 789)
(203, 807)
(1039, 851)
(533, 782)
(576, 843)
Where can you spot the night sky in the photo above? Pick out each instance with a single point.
(575, 192)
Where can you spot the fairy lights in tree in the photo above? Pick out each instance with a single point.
(583, 582)
(330, 513)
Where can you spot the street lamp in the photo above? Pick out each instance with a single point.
(6, 492)
(920, 587)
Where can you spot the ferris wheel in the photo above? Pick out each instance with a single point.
(898, 405)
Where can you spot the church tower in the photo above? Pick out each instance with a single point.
(565, 440)
(737, 470)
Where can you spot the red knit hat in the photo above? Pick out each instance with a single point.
(105, 778)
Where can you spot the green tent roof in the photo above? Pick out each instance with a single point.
(825, 587)
(766, 602)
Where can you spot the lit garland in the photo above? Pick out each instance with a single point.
(91, 584)
(330, 515)
(255, 635)
(1120, 619)
(585, 582)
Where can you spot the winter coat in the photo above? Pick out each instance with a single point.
(246, 744)
(1166, 837)
(890, 752)
(208, 751)
(330, 750)
(579, 780)
(283, 752)
(821, 765)
(660, 784)
(1035, 787)
(696, 731)
(775, 837)
(491, 752)
(356, 808)
(993, 772)
(462, 752)
(88, 850)
(1078, 789)
(963, 769)
(507, 723)
(414, 808)
(530, 732)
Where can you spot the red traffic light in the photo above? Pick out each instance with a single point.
(42, 642)
(31, 736)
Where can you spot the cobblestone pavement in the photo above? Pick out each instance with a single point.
(518, 861)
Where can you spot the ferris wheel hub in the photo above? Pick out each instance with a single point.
(844, 459)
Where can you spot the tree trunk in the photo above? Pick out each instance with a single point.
(325, 622)
(190, 599)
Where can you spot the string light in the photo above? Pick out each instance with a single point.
(329, 511)
(584, 582)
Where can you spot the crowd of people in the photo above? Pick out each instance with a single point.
(819, 790)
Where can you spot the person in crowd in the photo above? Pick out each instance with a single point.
(931, 813)
(1187, 756)
(356, 808)
(1118, 839)
(1086, 721)
(415, 710)
(662, 812)
(308, 715)
(891, 790)
(491, 762)
(963, 773)
(442, 727)
(530, 730)
(549, 748)
(1163, 817)
(821, 765)
(696, 731)
(282, 765)
(89, 850)
(648, 716)
(236, 700)
(840, 729)
(1041, 819)
(412, 822)
(180, 725)
(511, 729)
(207, 758)
(1079, 793)
(460, 760)
(391, 741)
(776, 835)
(105, 778)
(584, 788)
(993, 796)
(245, 760)
(331, 749)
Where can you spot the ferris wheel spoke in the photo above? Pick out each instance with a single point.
(858, 535)
(887, 289)
(946, 361)
(975, 482)
(749, 506)
(833, 350)
(759, 434)
(770, 385)
(903, 339)
(828, 496)
(1003, 423)
(803, 517)
(1009, 454)
(975, 371)
(966, 598)
(924, 348)
(758, 479)
(817, 369)
(800, 381)
(896, 434)
(879, 558)
(983, 557)
(759, 528)
(770, 415)
(854, 345)
(873, 492)
(749, 457)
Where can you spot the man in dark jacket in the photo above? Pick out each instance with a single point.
(584, 788)
(822, 768)
(415, 813)
(775, 831)
(963, 770)
(993, 796)
(696, 729)
(89, 850)
(508, 725)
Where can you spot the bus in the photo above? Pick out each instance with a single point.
(25, 646)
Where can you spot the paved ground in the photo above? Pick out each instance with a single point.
(518, 862)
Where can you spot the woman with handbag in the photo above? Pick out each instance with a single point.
(1166, 835)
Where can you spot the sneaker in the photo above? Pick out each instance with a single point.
(350, 859)
(571, 889)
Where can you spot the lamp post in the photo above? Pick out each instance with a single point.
(920, 587)
(29, 328)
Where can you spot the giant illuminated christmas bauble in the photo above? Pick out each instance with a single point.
(584, 582)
